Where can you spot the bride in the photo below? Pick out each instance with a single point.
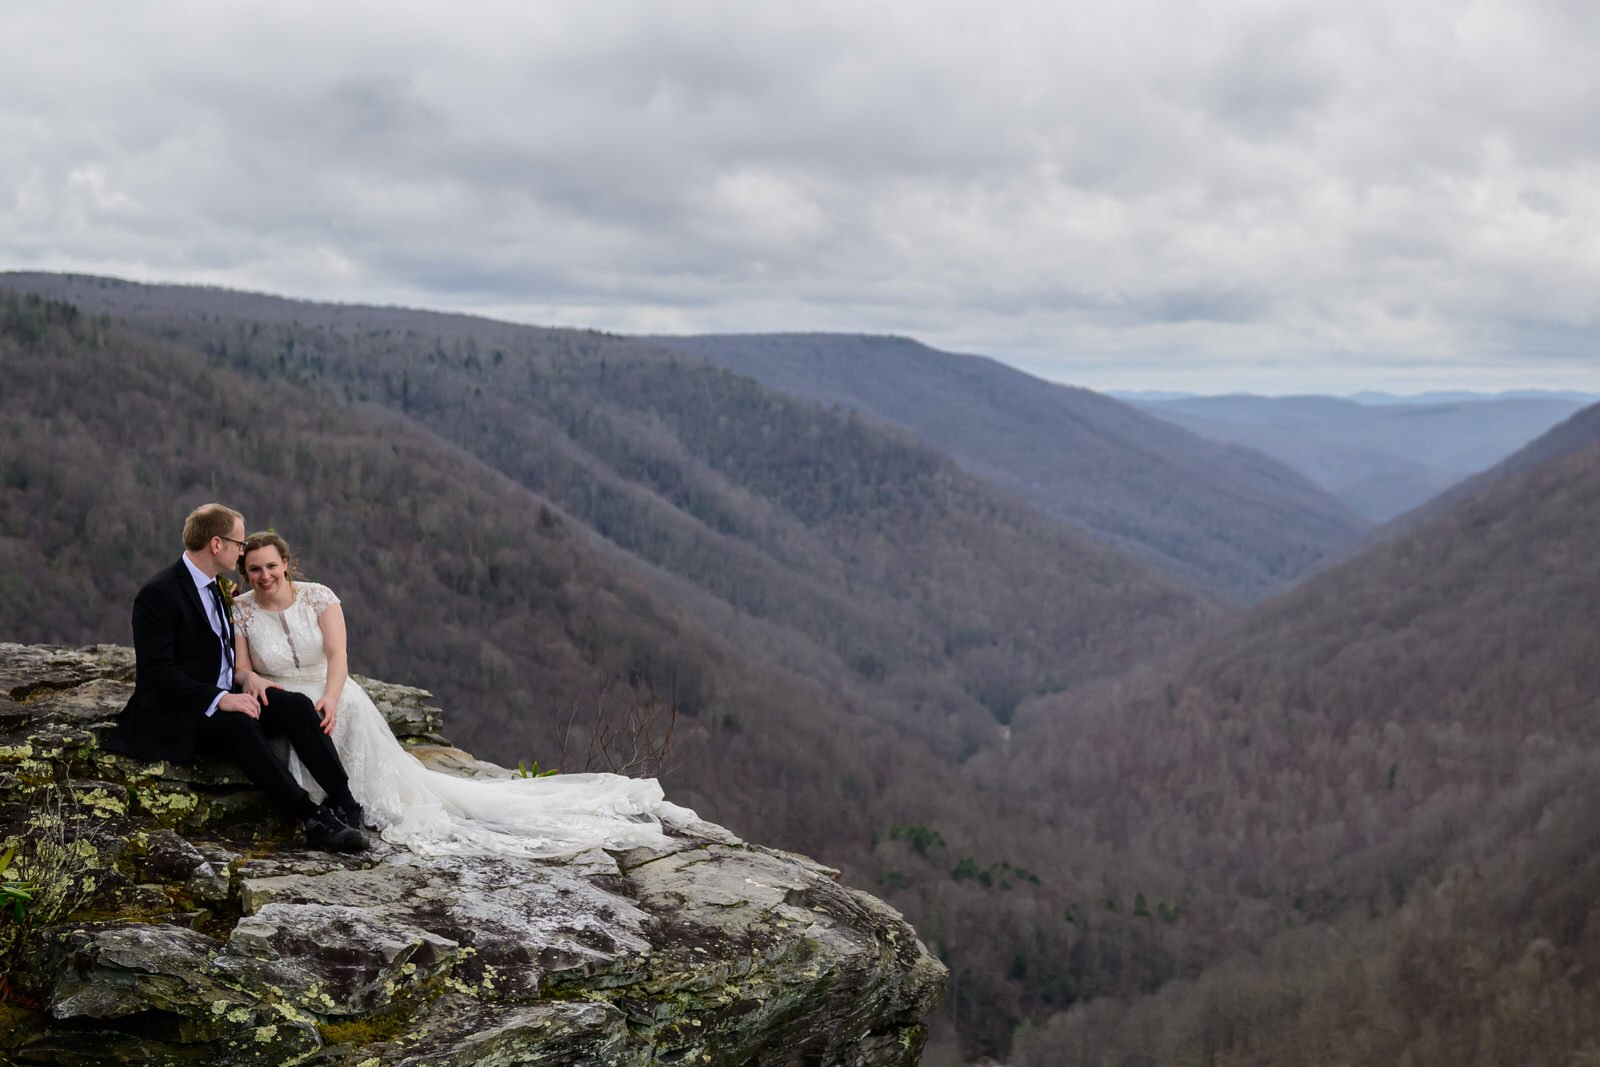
(292, 634)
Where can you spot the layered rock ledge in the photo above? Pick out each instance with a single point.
(172, 919)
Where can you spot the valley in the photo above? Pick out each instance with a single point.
(1166, 752)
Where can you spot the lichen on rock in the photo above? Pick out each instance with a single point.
(198, 931)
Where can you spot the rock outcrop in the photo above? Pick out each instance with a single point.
(158, 913)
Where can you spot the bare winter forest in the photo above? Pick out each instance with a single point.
(1171, 771)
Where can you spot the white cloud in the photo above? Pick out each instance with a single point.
(1268, 194)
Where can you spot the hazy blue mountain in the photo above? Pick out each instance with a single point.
(1381, 459)
(1151, 395)
(1579, 432)
(1226, 517)
(1372, 397)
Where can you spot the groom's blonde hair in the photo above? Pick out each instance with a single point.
(208, 521)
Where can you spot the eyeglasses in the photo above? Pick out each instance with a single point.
(242, 545)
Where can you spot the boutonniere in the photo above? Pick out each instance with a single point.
(228, 587)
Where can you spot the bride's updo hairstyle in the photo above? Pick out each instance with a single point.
(265, 538)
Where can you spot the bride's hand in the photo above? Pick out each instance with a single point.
(256, 686)
(328, 708)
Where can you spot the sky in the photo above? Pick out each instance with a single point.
(1238, 195)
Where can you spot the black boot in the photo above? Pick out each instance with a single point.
(352, 815)
(326, 833)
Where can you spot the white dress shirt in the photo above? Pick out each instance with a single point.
(207, 601)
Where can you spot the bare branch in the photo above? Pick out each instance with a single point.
(632, 735)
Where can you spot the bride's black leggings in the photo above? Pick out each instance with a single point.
(239, 739)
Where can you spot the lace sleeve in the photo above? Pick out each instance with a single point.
(318, 596)
(244, 612)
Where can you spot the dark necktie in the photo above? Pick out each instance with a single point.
(227, 630)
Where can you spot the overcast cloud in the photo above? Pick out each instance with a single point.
(1262, 194)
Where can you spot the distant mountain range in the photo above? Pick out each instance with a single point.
(1379, 459)
(1578, 432)
(1468, 397)
(1226, 518)
(1372, 397)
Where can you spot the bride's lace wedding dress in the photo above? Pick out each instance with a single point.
(428, 811)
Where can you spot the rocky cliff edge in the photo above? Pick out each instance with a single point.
(158, 913)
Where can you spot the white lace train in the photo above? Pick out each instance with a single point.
(431, 812)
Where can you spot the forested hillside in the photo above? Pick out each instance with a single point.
(521, 519)
(812, 521)
(1221, 516)
(1383, 782)
(1351, 826)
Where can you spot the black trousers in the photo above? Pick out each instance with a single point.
(243, 741)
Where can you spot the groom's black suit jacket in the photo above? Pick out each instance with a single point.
(178, 657)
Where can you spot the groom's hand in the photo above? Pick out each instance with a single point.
(243, 703)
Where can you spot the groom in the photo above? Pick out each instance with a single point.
(185, 697)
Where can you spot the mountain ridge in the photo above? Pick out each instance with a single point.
(1382, 460)
(1226, 518)
(1578, 431)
